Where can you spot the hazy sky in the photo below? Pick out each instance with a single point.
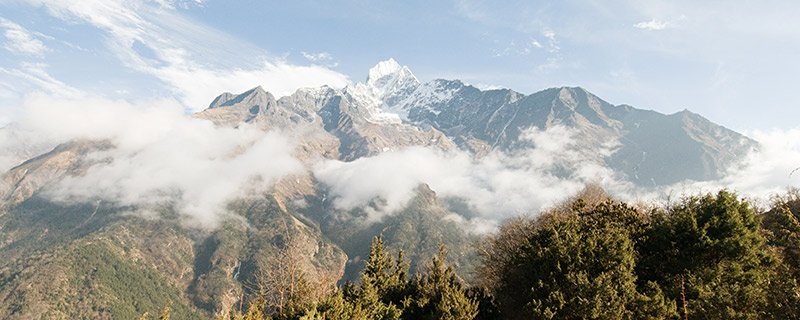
(735, 62)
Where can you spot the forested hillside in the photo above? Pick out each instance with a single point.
(711, 256)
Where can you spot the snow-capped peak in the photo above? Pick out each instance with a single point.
(387, 84)
(382, 69)
(389, 73)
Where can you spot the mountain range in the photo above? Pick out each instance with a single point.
(78, 258)
(392, 110)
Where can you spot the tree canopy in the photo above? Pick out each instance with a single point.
(709, 256)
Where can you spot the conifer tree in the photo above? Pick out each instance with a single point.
(576, 262)
(709, 250)
(441, 295)
(782, 229)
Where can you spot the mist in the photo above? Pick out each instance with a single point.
(163, 157)
(497, 186)
(160, 155)
(502, 185)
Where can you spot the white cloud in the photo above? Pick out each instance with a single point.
(196, 62)
(322, 56)
(497, 186)
(37, 76)
(552, 42)
(21, 40)
(160, 155)
(653, 25)
(763, 172)
(501, 185)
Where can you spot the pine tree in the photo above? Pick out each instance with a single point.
(575, 262)
(377, 268)
(782, 229)
(709, 249)
(440, 294)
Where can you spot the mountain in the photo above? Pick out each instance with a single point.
(393, 110)
(653, 148)
(68, 259)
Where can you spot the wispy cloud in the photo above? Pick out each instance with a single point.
(549, 65)
(37, 78)
(653, 25)
(21, 41)
(552, 43)
(528, 47)
(314, 57)
(322, 58)
(765, 171)
(194, 61)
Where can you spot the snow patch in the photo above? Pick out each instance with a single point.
(368, 102)
(424, 97)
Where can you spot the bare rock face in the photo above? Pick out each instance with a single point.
(328, 123)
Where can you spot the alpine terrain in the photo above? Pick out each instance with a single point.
(97, 257)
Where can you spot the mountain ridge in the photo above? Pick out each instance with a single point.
(387, 108)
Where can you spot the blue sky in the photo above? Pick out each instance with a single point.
(735, 62)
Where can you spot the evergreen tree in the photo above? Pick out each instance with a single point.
(782, 228)
(707, 251)
(386, 293)
(576, 262)
(376, 297)
(439, 293)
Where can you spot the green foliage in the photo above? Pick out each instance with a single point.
(417, 230)
(134, 289)
(782, 228)
(782, 231)
(576, 264)
(386, 293)
(440, 294)
(713, 242)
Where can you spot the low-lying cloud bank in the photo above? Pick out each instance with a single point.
(497, 186)
(763, 172)
(161, 156)
(502, 185)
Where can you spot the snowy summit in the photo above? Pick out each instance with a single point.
(382, 69)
